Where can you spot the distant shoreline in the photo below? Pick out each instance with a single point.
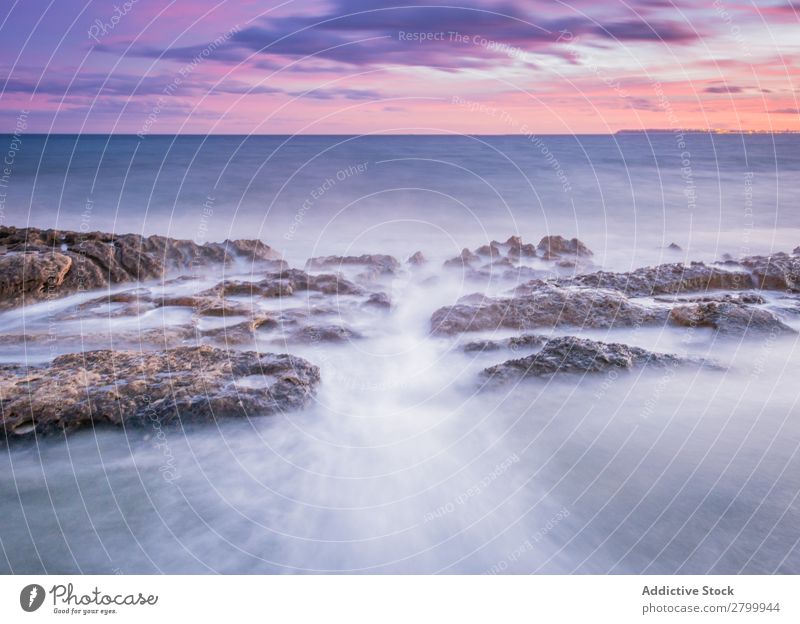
(423, 135)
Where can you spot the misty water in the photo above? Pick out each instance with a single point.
(405, 461)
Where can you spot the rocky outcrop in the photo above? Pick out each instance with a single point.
(515, 343)
(417, 259)
(51, 263)
(464, 259)
(32, 276)
(285, 283)
(547, 306)
(729, 318)
(578, 355)
(379, 300)
(779, 271)
(185, 384)
(556, 246)
(660, 280)
(381, 263)
(320, 333)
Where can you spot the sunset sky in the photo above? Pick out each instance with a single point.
(363, 66)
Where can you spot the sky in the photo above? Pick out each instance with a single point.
(376, 66)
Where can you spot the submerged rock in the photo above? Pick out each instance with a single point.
(729, 318)
(185, 384)
(579, 355)
(378, 300)
(548, 306)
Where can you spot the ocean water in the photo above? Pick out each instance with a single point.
(626, 196)
(404, 463)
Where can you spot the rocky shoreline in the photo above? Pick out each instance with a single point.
(227, 347)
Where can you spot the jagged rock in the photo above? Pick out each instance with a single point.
(133, 387)
(464, 259)
(32, 276)
(517, 248)
(779, 271)
(548, 306)
(526, 341)
(52, 263)
(555, 246)
(378, 300)
(796, 251)
(674, 247)
(660, 280)
(417, 259)
(491, 250)
(578, 355)
(729, 318)
(380, 262)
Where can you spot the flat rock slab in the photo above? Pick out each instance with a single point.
(187, 384)
(570, 354)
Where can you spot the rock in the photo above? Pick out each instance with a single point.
(285, 283)
(62, 262)
(745, 297)
(661, 280)
(526, 341)
(378, 300)
(465, 259)
(491, 250)
(555, 246)
(729, 318)
(381, 262)
(242, 333)
(185, 384)
(796, 251)
(32, 276)
(578, 355)
(674, 247)
(779, 271)
(322, 333)
(417, 259)
(548, 306)
(517, 248)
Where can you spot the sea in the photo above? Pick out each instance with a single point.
(401, 465)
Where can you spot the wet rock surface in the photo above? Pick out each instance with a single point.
(382, 263)
(579, 355)
(515, 343)
(779, 271)
(51, 263)
(548, 306)
(557, 246)
(132, 388)
(663, 279)
(729, 318)
(182, 331)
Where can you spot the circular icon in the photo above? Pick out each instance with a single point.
(31, 597)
